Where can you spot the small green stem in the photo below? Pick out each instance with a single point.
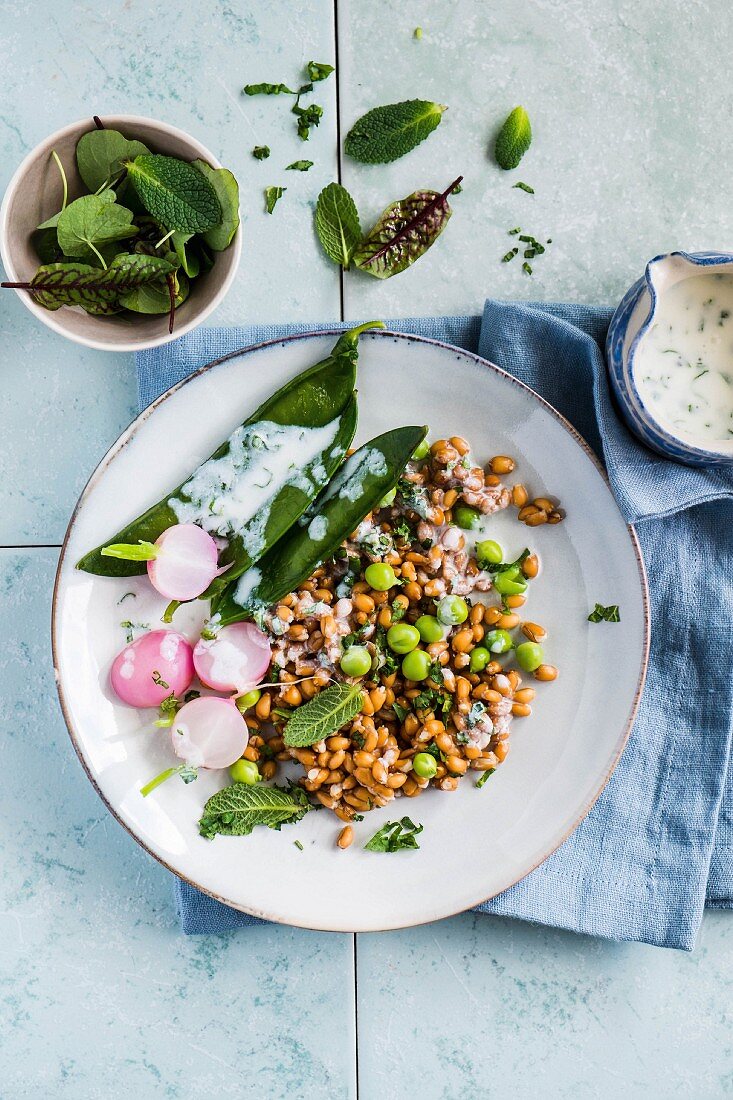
(167, 616)
(98, 254)
(60, 167)
(156, 782)
(164, 239)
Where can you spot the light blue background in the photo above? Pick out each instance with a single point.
(100, 996)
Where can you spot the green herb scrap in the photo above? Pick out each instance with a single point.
(318, 71)
(299, 166)
(524, 187)
(532, 248)
(386, 133)
(514, 139)
(307, 116)
(487, 775)
(395, 836)
(601, 614)
(272, 196)
(267, 89)
(261, 152)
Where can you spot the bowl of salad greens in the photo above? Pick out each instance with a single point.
(120, 233)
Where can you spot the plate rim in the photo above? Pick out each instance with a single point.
(127, 435)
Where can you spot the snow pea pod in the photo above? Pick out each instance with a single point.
(356, 489)
(261, 479)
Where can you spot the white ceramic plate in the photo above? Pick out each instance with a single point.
(475, 843)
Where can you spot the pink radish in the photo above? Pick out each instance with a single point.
(235, 659)
(182, 562)
(209, 732)
(146, 671)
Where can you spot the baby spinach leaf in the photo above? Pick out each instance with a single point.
(189, 260)
(236, 810)
(337, 223)
(395, 836)
(227, 192)
(272, 196)
(318, 71)
(93, 220)
(46, 244)
(323, 715)
(404, 232)
(100, 155)
(176, 193)
(96, 291)
(386, 133)
(299, 166)
(514, 139)
(267, 89)
(154, 297)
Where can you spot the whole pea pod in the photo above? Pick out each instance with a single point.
(355, 490)
(262, 478)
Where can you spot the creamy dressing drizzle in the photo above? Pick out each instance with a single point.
(233, 495)
(683, 366)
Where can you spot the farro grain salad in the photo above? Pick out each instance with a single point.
(366, 639)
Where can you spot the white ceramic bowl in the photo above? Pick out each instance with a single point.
(35, 193)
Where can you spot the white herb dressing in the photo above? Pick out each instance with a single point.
(683, 365)
(233, 495)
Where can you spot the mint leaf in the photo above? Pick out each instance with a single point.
(337, 223)
(93, 220)
(234, 811)
(395, 836)
(174, 192)
(100, 155)
(226, 188)
(514, 139)
(404, 232)
(386, 133)
(272, 196)
(323, 715)
(299, 166)
(317, 71)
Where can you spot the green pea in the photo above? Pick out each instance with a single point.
(403, 638)
(246, 702)
(452, 610)
(430, 629)
(529, 656)
(416, 665)
(498, 641)
(424, 765)
(356, 661)
(489, 552)
(480, 658)
(421, 451)
(467, 518)
(387, 499)
(506, 585)
(380, 576)
(245, 771)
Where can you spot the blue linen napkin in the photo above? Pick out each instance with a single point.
(658, 844)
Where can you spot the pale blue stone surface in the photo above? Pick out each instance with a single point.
(100, 996)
